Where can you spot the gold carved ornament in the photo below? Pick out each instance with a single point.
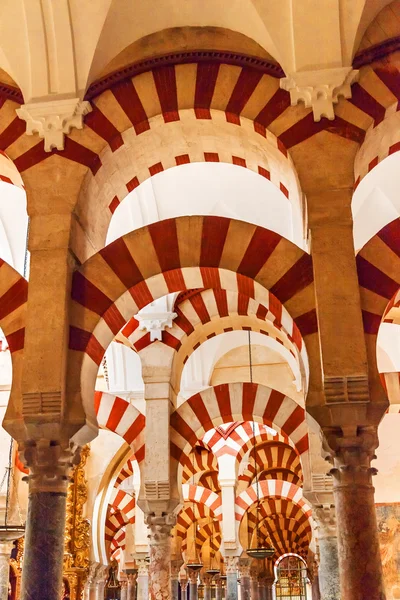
(77, 531)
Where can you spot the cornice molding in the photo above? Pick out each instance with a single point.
(376, 52)
(179, 58)
(11, 93)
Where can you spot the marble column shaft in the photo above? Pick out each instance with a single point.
(328, 572)
(174, 589)
(231, 578)
(358, 544)
(184, 587)
(193, 592)
(142, 580)
(254, 588)
(5, 555)
(160, 556)
(245, 586)
(49, 469)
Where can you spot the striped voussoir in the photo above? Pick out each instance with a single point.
(270, 488)
(127, 471)
(200, 495)
(180, 254)
(198, 462)
(13, 304)
(117, 545)
(210, 480)
(236, 402)
(123, 502)
(115, 520)
(283, 540)
(240, 438)
(378, 268)
(273, 458)
(204, 535)
(188, 515)
(118, 415)
(211, 312)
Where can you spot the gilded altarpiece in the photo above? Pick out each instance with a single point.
(77, 533)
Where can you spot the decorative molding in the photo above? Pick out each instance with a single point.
(376, 52)
(179, 58)
(53, 119)
(155, 323)
(354, 388)
(37, 404)
(320, 89)
(11, 93)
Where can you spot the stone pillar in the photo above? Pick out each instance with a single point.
(101, 580)
(244, 572)
(132, 577)
(358, 543)
(254, 585)
(5, 555)
(49, 468)
(175, 568)
(269, 582)
(328, 574)
(142, 580)
(89, 590)
(193, 578)
(207, 580)
(262, 593)
(124, 590)
(184, 586)
(218, 589)
(160, 556)
(231, 577)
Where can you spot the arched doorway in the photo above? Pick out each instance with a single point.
(291, 578)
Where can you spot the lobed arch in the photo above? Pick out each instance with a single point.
(236, 402)
(175, 255)
(118, 415)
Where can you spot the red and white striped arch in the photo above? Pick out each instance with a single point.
(271, 488)
(241, 437)
(272, 457)
(282, 537)
(176, 255)
(183, 141)
(117, 545)
(124, 502)
(9, 172)
(114, 522)
(127, 471)
(200, 495)
(236, 402)
(212, 312)
(118, 415)
(198, 462)
(187, 515)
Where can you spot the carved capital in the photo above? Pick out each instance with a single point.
(50, 465)
(155, 323)
(351, 451)
(320, 89)
(244, 567)
(142, 567)
(160, 528)
(325, 520)
(175, 568)
(231, 563)
(53, 119)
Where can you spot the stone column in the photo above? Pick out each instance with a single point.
(193, 578)
(160, 556)
(269, 582)
(184, 586)
(231, 577)
(244, 572)
(218, 589)
(89, 590)
(132, 577)
(49, 469)
(142, 580)
(101, 580)
(262, 590)
(254, 585)
(207, 580)
(175, 568)
(358, 544)
(5, 555)
(328, 574)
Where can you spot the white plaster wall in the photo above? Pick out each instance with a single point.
(387, 482)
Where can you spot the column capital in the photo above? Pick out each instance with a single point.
(325, 520)
(175, 568)
(143, 567)
(231, 563)
(351, 450)
(50, 464)
(206, 579)
(244, 565)
(193, 576)
(160, 528)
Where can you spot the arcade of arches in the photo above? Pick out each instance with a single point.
(199, 299)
